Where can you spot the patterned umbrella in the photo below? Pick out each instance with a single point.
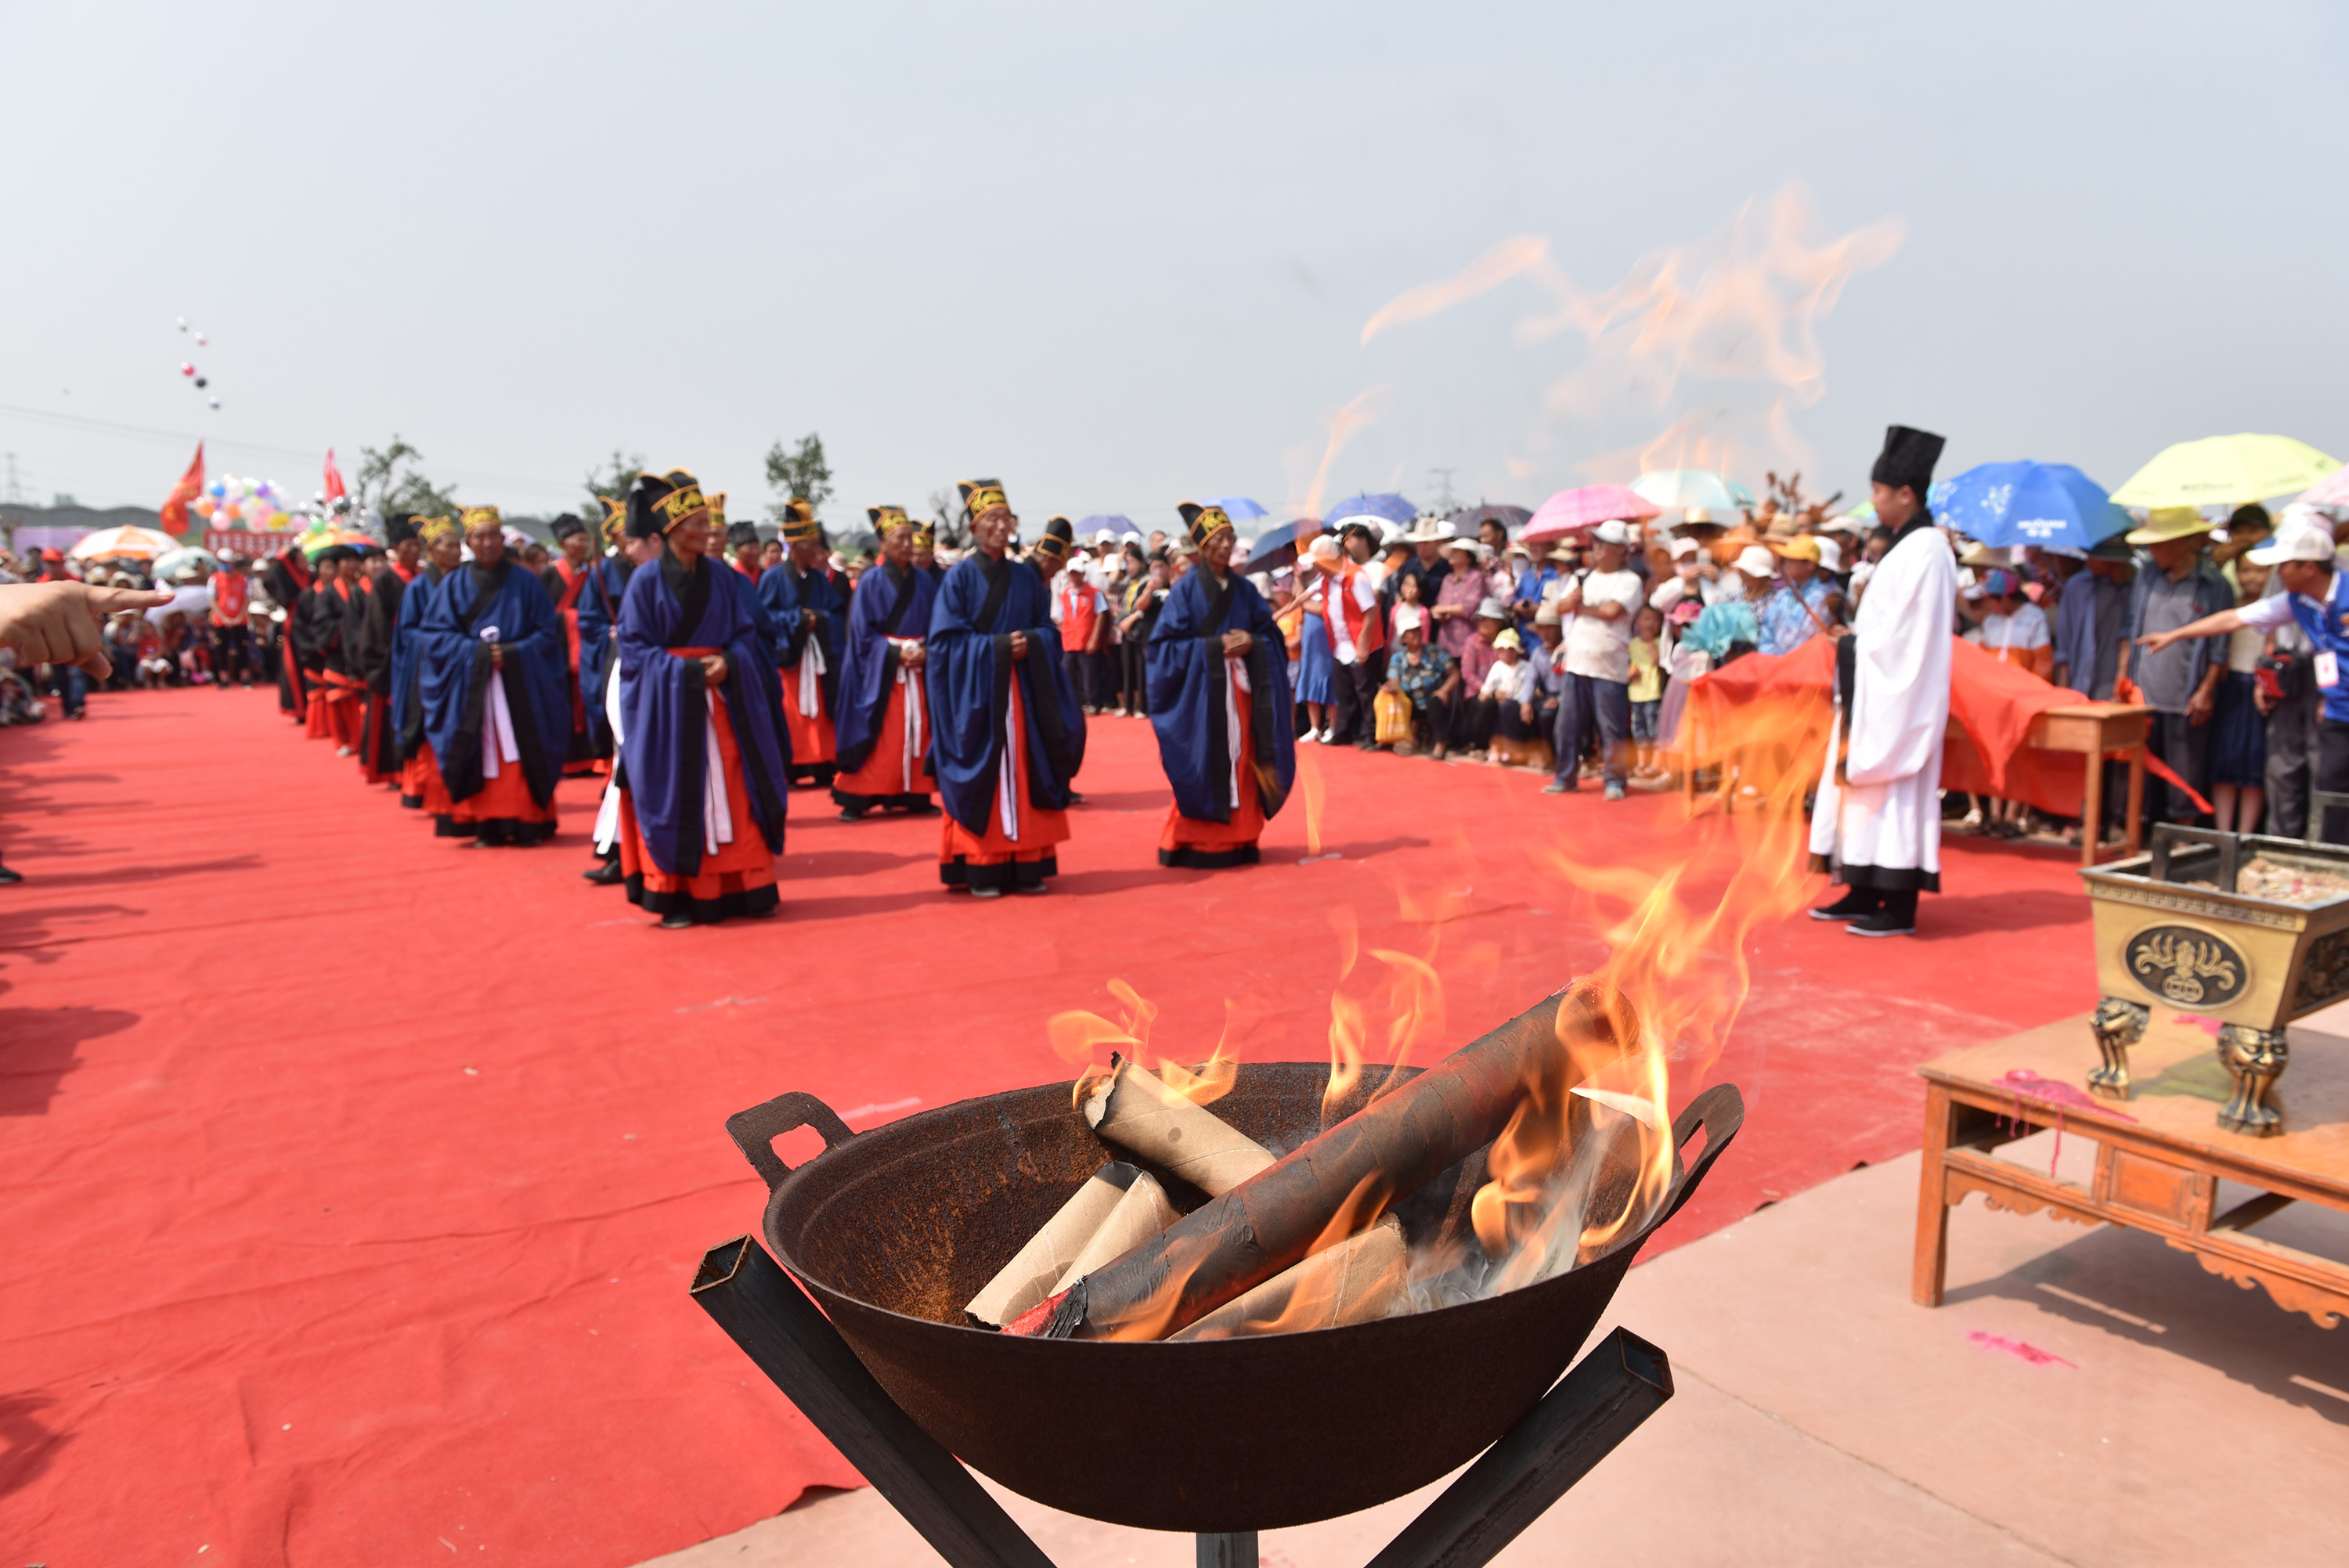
(129, 543)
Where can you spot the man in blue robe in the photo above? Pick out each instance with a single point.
(1007, 734)
(495, 684)
(809, 621)
(599, 664)
(421, 788)
(702, 753)
(1218, 689)
(883, 722)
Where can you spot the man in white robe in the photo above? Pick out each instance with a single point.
(1876, 826)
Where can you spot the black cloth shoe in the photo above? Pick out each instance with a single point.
(606, 874)
(1897, 918)
(9, 878)
(1856, 903)
(1883, 922)
(676, 922)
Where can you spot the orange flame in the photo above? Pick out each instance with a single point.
(1088, 1039)
(1678, 958)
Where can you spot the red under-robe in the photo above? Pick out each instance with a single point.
(885, 775)
(735, 879)
(1040, 829)
(1221, 840)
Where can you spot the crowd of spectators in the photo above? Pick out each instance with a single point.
(1571, 656)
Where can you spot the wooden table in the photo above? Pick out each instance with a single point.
(2159, 1172)
(2098, 730)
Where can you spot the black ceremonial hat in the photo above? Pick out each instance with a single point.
(741, 533)
(399, 528)
(1203, 520)
(657, 502)
(566, 525)
(1056, 539)
(1907, 459)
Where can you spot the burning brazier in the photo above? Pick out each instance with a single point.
(2248, 930)
(900, 1233)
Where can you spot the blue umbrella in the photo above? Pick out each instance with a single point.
(2052, 505)
(1239, 508)
(1388, 507)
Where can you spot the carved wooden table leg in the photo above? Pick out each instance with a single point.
(1930, 1266)
(2254, 1058)
(2118, 1026)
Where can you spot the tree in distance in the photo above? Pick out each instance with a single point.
(392, 481)
(799, 473)
(626, 467)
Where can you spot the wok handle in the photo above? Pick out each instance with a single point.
(754, 1131)
(1721, 1111)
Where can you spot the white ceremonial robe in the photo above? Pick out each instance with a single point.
(1886, 816)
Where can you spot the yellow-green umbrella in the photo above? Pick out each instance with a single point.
(2225, 470)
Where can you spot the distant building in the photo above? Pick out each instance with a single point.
(58, 527)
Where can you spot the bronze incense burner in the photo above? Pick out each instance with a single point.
(2174, 930)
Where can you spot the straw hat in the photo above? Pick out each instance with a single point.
(1547, 615)
(1429, 530)
(2167, 522)
(1977, 553)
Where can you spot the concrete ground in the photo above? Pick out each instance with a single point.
(2083, 1396)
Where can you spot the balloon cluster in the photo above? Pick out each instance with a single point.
(188, 369)
(232, 503)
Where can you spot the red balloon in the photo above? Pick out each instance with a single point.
(187, 370)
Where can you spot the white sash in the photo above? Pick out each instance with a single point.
(1238, 664)
(717, 810)
(501, 720)
(607, 814)
(812, 668)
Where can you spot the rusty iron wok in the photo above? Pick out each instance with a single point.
(891, 1231)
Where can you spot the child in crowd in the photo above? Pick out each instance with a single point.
(1647, 692)
(2239, 730)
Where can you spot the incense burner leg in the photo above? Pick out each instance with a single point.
(1236, 1549)
(2254, 1058)
(2118, 1026)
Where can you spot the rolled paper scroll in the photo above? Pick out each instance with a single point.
(1134, 1110)
(1141, 1213)
(1030, 1277)
(1367, 1276)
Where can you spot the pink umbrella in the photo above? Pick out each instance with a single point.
(1571, 512)
(2330, 491)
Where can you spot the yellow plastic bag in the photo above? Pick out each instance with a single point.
(1392, 711)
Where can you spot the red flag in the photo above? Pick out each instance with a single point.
(334, 478)
(190, 486)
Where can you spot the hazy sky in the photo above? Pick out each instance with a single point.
(1123, 256)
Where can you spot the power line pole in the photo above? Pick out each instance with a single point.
(1443, 479)
(15, 491)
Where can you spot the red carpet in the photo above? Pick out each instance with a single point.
(355, 1177)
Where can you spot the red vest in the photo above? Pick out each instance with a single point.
(1366, 628)
(1079, 609)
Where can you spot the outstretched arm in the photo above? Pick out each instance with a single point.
(61, 622)
(2217, 625)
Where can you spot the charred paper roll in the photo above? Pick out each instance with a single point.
(1134, 1110)
(1367, 1276)
(1036, 1271)
(1141, 1213)
(1390, 1147)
